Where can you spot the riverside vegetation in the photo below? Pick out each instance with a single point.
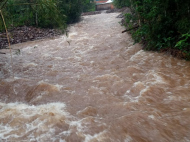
(163, 25)
(25, 18)
(43, 13)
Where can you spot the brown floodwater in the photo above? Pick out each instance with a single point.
(93, 86)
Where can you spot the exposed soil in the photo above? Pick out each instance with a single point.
(23, 34)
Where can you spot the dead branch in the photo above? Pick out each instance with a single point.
(130, 29)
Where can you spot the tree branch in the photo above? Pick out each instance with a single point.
(130, 29)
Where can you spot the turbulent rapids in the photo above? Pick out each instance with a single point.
(93, 86)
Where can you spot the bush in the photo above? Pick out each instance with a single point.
(122, 3)
(88, 6)
(162, 24)
(43, 13)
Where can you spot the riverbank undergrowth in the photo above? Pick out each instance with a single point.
(162, 25)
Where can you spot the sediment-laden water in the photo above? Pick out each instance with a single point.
(93, 86)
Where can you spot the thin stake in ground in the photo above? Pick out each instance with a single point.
(8, 43)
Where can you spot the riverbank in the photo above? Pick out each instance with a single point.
(175, 52)
(24, 34)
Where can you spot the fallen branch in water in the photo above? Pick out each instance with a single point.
(130, 29)
(2, 53)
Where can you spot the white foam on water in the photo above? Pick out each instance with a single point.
(107, 77)
(174, 98)
(99, 137)
(27, 48)
(62, 140)
(57, 86)
(159, 79)
(181, 64)
(77, 124)
(132, 98)
(128, 139)
(22, 119)
(144, 90)
(58, 58)
(97, 90)
(151, 116)
(137, 83)
(40, 96)
(30, 64)
(78, 58)
(11, 79)
(155, 78)
(72, 33)
(140, 52)
(47, 55)
(91, 62)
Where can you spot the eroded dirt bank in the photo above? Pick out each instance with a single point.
(94, 86)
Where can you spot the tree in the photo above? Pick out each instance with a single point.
(43, 13)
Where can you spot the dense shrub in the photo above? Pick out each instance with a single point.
(122, 3)
(43, 13)
(88, 6)
(163, 24)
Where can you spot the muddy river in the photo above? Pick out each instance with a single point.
(93, 86)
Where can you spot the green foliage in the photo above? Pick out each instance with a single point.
(71, 8)
(2, 3)
(88, 6)
(184, 42)
(43, 13)
(163, 24)
(122, 3)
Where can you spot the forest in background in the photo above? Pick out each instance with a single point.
(43, 13)
(161, 25)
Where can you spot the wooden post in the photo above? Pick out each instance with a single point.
(8, 42)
